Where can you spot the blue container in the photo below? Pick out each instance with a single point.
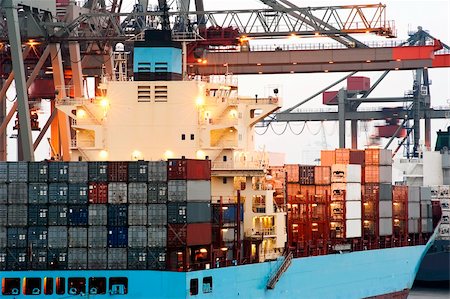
(78, 193)
(17, 259)
(138, 171)
(37, 237)
(17, 193)
(37, 214)
(117, 215)
(37, 193)
(78, 172)
(57, 215)
(98, 171)
(156, 258)
(58, 171)
(137, 258)
(38, 172)
(176, 212)
(18, 172)
(58, 193)
(157, 192)
(57, 258)
(78, 215)
(38, 259)
(4, 194)
(117, 237)
(17, 237)
(229, 214)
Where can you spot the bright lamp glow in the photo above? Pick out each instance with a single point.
(81, 113)
(200, 101)
(168, 154)
(103, 154)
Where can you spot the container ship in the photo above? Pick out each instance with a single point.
(167, 198)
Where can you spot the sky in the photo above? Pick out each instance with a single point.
(432, 15)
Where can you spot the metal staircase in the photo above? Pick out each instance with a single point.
(277, 275)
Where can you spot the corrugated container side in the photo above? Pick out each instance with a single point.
(57, 258)
(444, 191)
(327, 157)
(176, 212)
(3, 172)
(37, 193)
(353, 210)
(413, 194)
(157, 236)
(37, 214)
(357, 157)
(413, 226)
(307, 190)
(425, 193)
(445, 160)
(306, 173)
(322, 175)
(78, 215)
(3, 215)
(137, 236)
(189, 169)
(157, 192)
(98, 171)
(137, 258)
(137, 214)
(17, 259)
(3, 237)
(385, 209)
(57, 237)
(177, 190)
(157, 214)
(427, 226)
(198, 212)
(117, 171)
(117, 215)
(17, 237)
(38, 259)
(157, 171)
(78, 193)
(137, 193)
(378, 174)
(117, 237)
(98, 215)
(78, 172)
(117, 193)
(342, 156)
(176, 235)
(58, 193)
(358, 83)
(345, 173)
(97, 236)
(38, 172)
(385, 226)
(17, 215)
(3, 257)
(385, 191)
(57, 215)
(292, 173)
(17, 193)
(37, 237)
(18, 172)
(97, 258)
(117, 258)
(445, 216)
(138, 171)
(98, 193)
(353, 228)
(58, 171)
(400, 193)
(3, 193)
(199, 234)
(78, 237)
(228, 213)
(77, 258)
(375, 156)
(156, 258)
(413, 210)
(426, 210)
(198, 190)
(444, 230)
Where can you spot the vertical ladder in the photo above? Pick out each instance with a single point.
(277, 275)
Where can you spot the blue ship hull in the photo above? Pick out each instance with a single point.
(435, 267)
(364, 274)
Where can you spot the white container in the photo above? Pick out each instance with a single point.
(445, 217)
(198, 190)
(413, 210)
(444, 191)
(445, 205)
(434, 192)
(432, 162)
(425, 193)
(385, 209)
(353, 228)
(117, 193)
(345, 173)
(413, 194)
(386, 174)
(426, 210)
(385, 226)
(427, 225)
(352, 210)
(444, 231)
(413, 226)
(352, 190)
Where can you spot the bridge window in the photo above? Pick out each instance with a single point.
(97, 285)
(60, 285)
(193, 287)
(77, 285)
(48, 286)
(32, 286)
(207, 284)
(118, 285)
(10, 286)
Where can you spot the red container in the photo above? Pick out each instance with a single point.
(322, 175)
(357, 157)
(41, 88)
(342, 156)
(309, 190)
(370, 191)
(189, 169)
(327, 157)
(199, 234)
(323, 190)
(292, 173)
(400, 193)
(306, 174)
(330, 98)
(293, 189)
(389, 131)
(358, 83)
(118, 171)
(98, 193)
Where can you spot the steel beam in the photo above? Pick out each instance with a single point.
(45, 128)
(341, 116)
(19, 70)
(77, 75)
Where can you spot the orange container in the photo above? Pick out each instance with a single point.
(322, 175)
(327, 157)
(293, 189)
(323, 190)
(293, 173)
(342, 156)
(309, 190)
(400, 193)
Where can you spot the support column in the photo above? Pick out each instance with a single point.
(12, 19)
(354, 132)
(3, 139)
(75, 63)
(341, 111)
(416, 112)
(427, 104)
(184, 66)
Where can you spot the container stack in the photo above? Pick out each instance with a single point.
(99, 215)
(426, 211)
(414, 209)
(400, 208)
(189, 229)
(441, 194)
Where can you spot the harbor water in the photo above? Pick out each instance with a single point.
(419, 292)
